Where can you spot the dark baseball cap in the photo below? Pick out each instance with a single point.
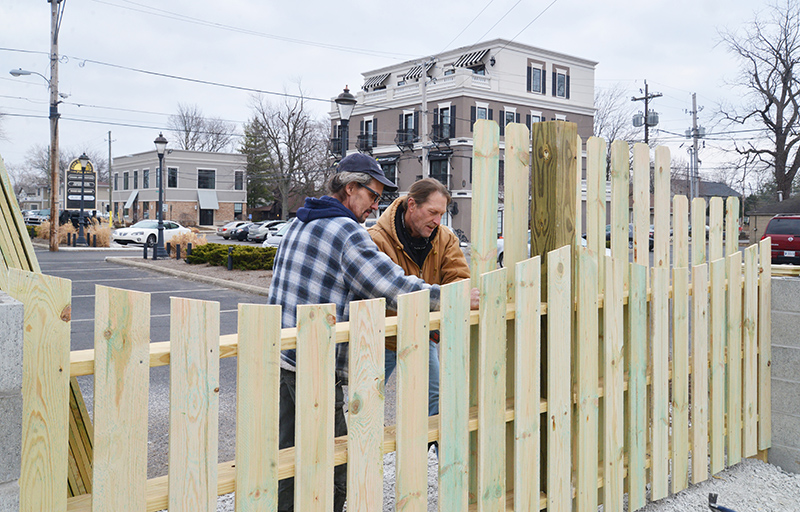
(359, 162)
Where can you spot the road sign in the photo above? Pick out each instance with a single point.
(81, 182)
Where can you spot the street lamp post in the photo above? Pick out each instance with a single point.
(52, 84)
(161, 146)
(345, 102)
(84, 162)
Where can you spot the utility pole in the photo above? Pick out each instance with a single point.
(696, 133)
(424, 119)
(54, 115)
(110, 217)
(649, 119)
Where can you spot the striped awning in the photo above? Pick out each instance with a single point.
(470, 59)
(375, 81)
(417, 71)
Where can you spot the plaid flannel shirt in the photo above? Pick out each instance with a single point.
(334, 260)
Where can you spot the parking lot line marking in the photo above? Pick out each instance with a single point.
(160, 291)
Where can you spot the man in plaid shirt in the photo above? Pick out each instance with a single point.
(326, 256)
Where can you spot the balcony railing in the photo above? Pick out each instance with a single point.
(406, 137)
(366, 142)
(441, 132)
(336, 146)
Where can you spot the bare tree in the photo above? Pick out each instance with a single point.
(35, 171)
(769, 51)
(612, 118)
(2, 132)
(195, 132)
(291, 147)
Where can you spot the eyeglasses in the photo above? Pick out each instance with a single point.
(378, 198)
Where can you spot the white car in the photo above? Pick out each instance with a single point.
(146, 231)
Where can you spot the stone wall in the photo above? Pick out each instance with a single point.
(11, 318)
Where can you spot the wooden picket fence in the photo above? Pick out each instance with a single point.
(626, 376)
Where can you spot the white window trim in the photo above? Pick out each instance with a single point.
(560, 71)
(481, 104)
(444, 105)
(561, 117)
(369, 118)
(543, 69)
(216, 171)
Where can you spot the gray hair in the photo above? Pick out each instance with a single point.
(340, 180)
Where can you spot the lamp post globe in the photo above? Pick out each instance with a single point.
(161, 146)
(84, 160)
(345, 103)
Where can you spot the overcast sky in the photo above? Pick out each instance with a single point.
(271, 46)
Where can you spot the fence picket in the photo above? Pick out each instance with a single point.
(717, 365)
(194, 405)
(734, 338)
(731, 225)
(750, 340)
(636, 366)
(485, 179)
(121, 385)
(680, 376)
(699, 233)
(453, 402)
(613, 383)
(661, 208)
(715, 217)
(257, 407)
(412, 400)
(596, 202)
(45, 388)
(680, 232)
(641, 203)
(559, 396)
(492, 392)
(365, 407)
(659, 407)
(515, 202)
(699, 373)
(765, 346)
(620, 178)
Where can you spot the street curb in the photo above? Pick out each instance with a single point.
(223, 283)
(67, 248)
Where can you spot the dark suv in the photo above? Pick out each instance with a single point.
(785, 233)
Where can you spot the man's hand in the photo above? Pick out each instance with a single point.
(474, 298)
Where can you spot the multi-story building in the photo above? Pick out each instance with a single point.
(200, 188)
(416, 118)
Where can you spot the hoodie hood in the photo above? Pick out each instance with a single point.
(323, 208)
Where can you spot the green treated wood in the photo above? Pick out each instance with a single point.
(765, 345)
(613, 379)
(485, 184)
(559, 396)
(620, 186)
(527, 386)
(586, 374)
(641, 204)
(717, 364)
(661, 185)
(699, 373)
(750, 340)
(45, 388)
(121, 385)
(731, 225)
(366, 404)
(680, 376)
(412, 400)
(516, 199)
(596, 203)
(577, 170)
(636, 366)
(715, 219)
(453, 402)
(660, 383)
(492, 392)
(313, 481)
(734, 384)
(699, 233)
(194, 405)
(680, 232)
(257, 407)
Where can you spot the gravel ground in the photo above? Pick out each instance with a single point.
(749, 486)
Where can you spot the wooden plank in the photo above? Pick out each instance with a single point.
(527, 386)
(680, 232)
(313, 481)
(715, 229)
(580, 186)
(16, 223)
(765, 345)
(596, 155)
(641, 203)
(731, 225)
(699, 373)
(586, 375)
(45, 388)
(515, 201)
(121, 386)
(559, 396)
(412, 400)
(620, 186)
(717, 364)
(80, 445)
(699, 234)
(661, 208)
(660, 383)
(750, 341)
(453, 402)
(257, 407)
(491, 392)
(680, 375)
(365, 410)
(613, 379)
(734, 382)
(636, 366)
(485, 184)
(194, 405)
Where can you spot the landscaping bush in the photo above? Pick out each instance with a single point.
(244, 257)
(183, 240)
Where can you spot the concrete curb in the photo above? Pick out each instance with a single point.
(223, 283)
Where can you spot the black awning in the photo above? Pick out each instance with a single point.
(375, 81)
(417, 71)
(471, 59)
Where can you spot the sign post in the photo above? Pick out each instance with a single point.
(81, 168)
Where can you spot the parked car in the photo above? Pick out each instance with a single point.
(37, 217)
(225, 230)
(146, 231)
(275, 240)
(501, 246)
(264, 229)
(785, 233)
(240, 233)
(630, 236)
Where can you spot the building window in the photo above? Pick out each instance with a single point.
(561, 83)
(145, 178)
(205, 178)
(124, 181)
(448, 72)
(238, 181)
(536, 77)
(116, 182)
(135, 180)
(479, 111)
(440, 170)
(172, 177)
(479, 70)
(482, 113)
(534, 117)
(237, 211)
(408, 122)
(390, 171)
(146, 210)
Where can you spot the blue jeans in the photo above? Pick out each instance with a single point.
(433, 374)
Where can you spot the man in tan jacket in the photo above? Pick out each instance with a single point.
(410, 233)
